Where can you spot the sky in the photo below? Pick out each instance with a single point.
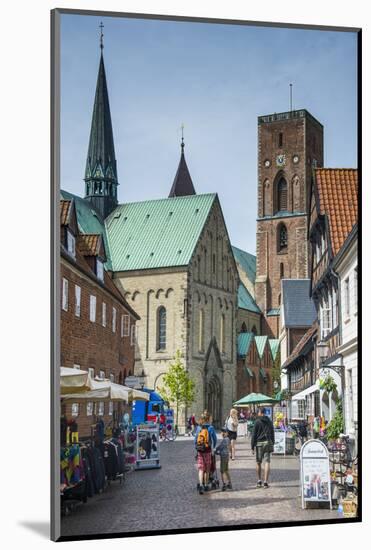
(216, 79)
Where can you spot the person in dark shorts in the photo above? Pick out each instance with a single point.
(262, 441)
(222, 449)
(205, 442)
(232, 425)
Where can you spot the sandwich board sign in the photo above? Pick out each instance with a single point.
(279, 442)
(315, 478)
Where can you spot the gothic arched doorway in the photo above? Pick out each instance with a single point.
(214, 400)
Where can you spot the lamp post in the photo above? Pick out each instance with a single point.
(142, 379)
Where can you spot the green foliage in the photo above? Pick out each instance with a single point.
(178, 388)
(336, 426)
(276, 375)
(328, 384)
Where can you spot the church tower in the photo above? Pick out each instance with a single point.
(289, 145)
(182, 184)
(101, 171)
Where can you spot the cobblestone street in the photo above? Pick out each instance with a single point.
(167, 498)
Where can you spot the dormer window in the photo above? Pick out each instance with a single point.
(71, 244)
(100, 270)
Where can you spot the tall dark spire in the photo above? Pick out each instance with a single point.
(182, 184)
(101, 171)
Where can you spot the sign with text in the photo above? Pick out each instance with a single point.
(147, 447)
(279, 442)
(315, 472)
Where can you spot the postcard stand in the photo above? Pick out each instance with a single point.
(147, 447)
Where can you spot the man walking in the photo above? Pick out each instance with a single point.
(263, 440)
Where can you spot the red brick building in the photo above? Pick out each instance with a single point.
(98, 331)
(289, 146)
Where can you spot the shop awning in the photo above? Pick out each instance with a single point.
(73, 380)
(249, 372)
(302, 395)
(140, 395)
(262, 373)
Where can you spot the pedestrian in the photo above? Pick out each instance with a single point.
(232, 425)
(205, 443)
(194, 423)
(222, 449)
(263, 440)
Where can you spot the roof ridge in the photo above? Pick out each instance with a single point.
(183, 197)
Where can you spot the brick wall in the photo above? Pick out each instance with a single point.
(90, 344)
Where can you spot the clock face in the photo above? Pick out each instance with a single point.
(295, 159)
(281, 160)
(267, 163)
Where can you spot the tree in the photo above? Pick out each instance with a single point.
(178, 388)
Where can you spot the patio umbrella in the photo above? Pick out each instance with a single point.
(73, 380)
(255, 399)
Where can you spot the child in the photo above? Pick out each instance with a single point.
(205, 441)
(222, 449)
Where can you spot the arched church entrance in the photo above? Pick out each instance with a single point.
(214, 400)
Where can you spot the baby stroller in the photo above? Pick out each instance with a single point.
(213, 477)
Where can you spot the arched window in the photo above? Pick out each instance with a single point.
(282, 270)
(243, 327)
(161, 328)
(201, 322)
(253, 330)
(222, 333)
(282, 238)
(282, 195)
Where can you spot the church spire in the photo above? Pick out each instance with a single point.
(182, 184)
(101, 171)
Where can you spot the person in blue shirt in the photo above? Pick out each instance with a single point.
(205, 443)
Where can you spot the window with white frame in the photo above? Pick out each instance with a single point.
(77, 301)
(89, 408)
(126, 325)
(334, 309)
(346, 298)
(65, 294)
(101, 374)
(114, 312)
(104, 314)
(325, 318)
(101, 408)
(356, 289)
(91, 372)
(71, 244)
(301, 408)
(75, 409)
(110, 408)
(100, 270)
(93, 308)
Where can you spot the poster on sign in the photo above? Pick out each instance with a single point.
(147, 447)
(315, 472)
(279, 442)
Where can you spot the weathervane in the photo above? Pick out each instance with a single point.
(101, 35)
(182, 144)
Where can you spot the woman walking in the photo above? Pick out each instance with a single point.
(232, 425)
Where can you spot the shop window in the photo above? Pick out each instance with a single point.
(89, 408)
(101, 408)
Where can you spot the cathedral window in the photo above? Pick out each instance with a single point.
(282, 195)
(161, 328)
(254, 331)
(214, 263)
(280, 139)
(201, 330)
(222, 333)
(243, 327)
(282, 238)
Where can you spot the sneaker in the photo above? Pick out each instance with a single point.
(260, 483)
(206, 488)
(229, 486)
(201, 490)
(266, 485)
(224, 488)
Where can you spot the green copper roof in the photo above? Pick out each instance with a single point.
(247, 262)
(157, 233)
(89, 220)
(273, 312)
(274, 344)
(260, 344)
(245, 300)
(244, 342)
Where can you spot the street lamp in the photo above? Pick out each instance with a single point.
(142, 379)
